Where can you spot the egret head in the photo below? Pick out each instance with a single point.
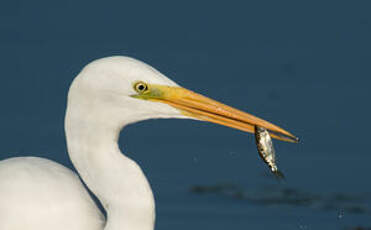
(122, 90)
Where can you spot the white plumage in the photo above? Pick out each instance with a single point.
(39, 194)
(108, 94)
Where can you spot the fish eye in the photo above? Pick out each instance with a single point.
(140, 87)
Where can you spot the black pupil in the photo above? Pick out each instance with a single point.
(141, 87)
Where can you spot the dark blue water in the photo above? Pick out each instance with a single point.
(303, 66)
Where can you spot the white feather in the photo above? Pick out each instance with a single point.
(38, 194)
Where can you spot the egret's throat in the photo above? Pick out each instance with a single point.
(117, 181)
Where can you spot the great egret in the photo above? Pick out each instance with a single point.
(108, 94)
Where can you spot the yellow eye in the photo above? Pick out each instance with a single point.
(140, 87)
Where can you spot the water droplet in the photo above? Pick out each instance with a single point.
(233, 154)
(303, 227)
(340, 214)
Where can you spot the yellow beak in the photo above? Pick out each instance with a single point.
(203, 108)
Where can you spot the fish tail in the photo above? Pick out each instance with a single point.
(279, 175)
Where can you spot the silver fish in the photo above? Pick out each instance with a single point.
(266, 149)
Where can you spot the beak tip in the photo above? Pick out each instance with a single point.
(296, 139)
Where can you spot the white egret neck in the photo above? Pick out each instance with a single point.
(99, 105)
(92, 133)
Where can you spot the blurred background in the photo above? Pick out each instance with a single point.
(302, 65)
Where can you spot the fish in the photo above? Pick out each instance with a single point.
(266, 150)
